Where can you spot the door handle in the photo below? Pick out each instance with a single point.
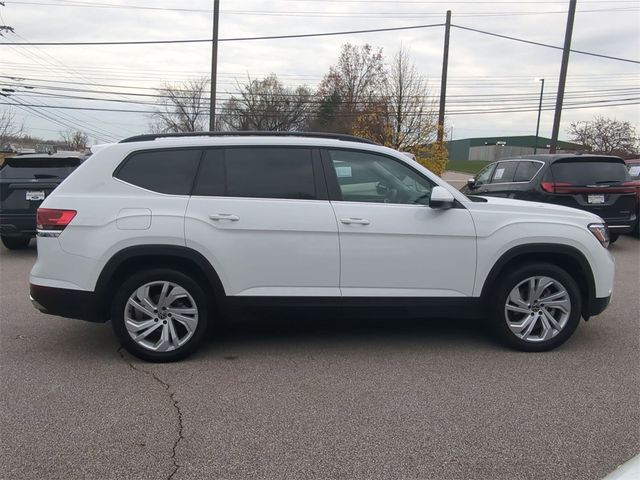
(224, 216)
(357, 221)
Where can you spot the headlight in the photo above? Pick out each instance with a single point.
(601, 232)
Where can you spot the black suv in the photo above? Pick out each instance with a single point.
(596, 183)
(25, 181)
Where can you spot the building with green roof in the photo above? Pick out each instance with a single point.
(495, 148)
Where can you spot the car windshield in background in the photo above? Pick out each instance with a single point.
(21, 168)
(589, 172)
(634, 171)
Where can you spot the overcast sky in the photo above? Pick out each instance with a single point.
(480, 66)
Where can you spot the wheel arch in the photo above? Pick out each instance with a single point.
(183, 259)
(567, 257)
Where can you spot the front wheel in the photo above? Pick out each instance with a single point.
(15, 243)
(160, 315)
(613, 237)
(536, 307)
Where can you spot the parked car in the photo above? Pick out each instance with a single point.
(162, 234)
(25, 181)
(596, 183)
(634, 172)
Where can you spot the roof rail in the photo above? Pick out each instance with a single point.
(250, 133)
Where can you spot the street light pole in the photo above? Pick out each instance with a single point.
(535, 148)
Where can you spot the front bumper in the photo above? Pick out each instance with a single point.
(596, 306)
(78, 304)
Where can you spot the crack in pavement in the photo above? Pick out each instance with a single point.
(176, 407)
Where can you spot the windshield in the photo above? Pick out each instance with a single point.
(34, 168)
(634, 171)
(590, 172)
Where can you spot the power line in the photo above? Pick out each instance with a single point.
(234, 39)
(323, 34)
(324, 13)
(531, 42)
(587, 104)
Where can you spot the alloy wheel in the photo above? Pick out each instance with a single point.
(161, 316)
(537, 309)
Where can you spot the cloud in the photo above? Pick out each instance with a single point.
(479, 64)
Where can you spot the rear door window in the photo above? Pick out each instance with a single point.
(162, 171)
(38, 168)
(526, 171)
(258, 172)
(590, 172)
(504, 172)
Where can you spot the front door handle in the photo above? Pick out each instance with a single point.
(224, 216)
(357, 221)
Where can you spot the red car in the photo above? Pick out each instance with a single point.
(634, 172)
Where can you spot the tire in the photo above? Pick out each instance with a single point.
(16, 243)
(167, 338)
(613, 237)
(506, 322)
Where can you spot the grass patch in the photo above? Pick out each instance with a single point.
(467, 166)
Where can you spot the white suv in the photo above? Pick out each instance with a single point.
(160, 233)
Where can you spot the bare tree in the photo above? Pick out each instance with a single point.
(183, 107)
(10, 128)
(75, 140)
(266, 105)
(606, 135)
(413, 117)
(402, 117)
(350, 87)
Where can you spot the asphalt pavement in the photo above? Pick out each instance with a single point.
(319, 398)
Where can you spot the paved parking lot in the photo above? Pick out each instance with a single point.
(318, 399)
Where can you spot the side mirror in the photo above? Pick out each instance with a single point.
(471, 183)
(441, 198)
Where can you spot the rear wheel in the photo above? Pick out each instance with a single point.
(536, 307)
(15, 243)
(160, 315)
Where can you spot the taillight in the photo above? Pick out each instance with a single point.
(552, 187)
(547, 186)
(54, 219)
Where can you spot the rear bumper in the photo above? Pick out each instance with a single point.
(78, 304)
(618, 225)
(18, 225)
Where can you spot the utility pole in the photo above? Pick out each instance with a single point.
(563, 75)
(443, 80)
(214, 66)
(535, 148)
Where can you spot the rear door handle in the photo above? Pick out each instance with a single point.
(357, 221)
(224, 216)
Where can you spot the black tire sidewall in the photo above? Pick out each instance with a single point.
(15, 243)
(161, 274)
(509, 281)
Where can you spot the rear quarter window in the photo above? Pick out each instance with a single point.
(526, 171)
(162, 171)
